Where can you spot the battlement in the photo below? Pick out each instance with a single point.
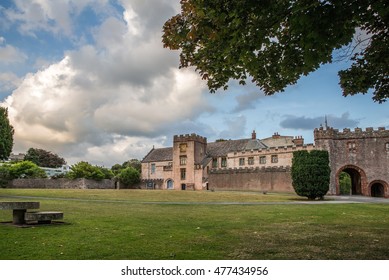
(347, 133)
(189, 137)
(251, 170)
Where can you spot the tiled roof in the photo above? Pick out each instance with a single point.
(214, 149)
(222, 148)
(161, 154)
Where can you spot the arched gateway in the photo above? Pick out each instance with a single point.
(363, 154)
(358, 180)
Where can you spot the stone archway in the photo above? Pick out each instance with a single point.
(358, 180)
(379, 188)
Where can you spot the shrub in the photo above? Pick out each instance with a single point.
(129, 176)
(311, 173)
(85, 170)
(26, 169)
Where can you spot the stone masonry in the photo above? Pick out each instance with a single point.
(363, 154)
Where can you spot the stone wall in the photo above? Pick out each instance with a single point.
(61, 183)
(276, 179)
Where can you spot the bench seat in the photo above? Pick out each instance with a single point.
(43, 217)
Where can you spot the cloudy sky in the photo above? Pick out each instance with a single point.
(90, 80)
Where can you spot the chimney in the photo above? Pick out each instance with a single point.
(275, 135)
(253, 135)
(298, 141)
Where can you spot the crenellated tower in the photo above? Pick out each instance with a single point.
(188, 152)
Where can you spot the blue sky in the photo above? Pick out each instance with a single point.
(90, 80)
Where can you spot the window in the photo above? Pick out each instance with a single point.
(251, 161)
(152, 168)
(183, 173)
(183, 147)
(183, 160)
(214, 163)
(241, 161)
(262, 160)
(387, 147)
(224, 162)
(274, 158)
(351, 146)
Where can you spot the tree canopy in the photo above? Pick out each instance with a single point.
(85, 170)
(6, 134)
(129, 176)
(44, 158)
(276, 42)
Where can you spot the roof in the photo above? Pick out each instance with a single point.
(220, 148)
(161, 154)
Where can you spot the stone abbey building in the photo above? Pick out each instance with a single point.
(264, 164)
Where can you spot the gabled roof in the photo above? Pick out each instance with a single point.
(214, 149)
(222, 148)
(161, 154)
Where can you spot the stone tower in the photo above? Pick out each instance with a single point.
(364, 155)
(188, 154)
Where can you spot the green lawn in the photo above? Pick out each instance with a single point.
(132, 224)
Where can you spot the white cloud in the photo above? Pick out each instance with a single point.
(8, 81)
(108, 102)
(51, 16)
(10, 54)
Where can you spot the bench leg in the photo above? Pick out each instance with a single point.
(18, 216)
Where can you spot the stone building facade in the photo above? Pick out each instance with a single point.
(249, 164)
(363, 154)
(264, 164)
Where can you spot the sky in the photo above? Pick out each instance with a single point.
(90, 81)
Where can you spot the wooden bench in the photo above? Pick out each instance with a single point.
(43, 217)
(19, 209)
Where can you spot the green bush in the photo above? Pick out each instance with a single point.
(108, 174)
(311, 173)
(129, 176)
(85, 170)
(26, 169)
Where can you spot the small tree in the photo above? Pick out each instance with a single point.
(129, 176)
(6, 134)
(311, 173)
(44, 158)
(134, 163)
(5, 177)
(108, 174)
(85, 170)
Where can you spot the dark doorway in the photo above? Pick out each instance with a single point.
(356, 188)
(377, 190)
(183, 187)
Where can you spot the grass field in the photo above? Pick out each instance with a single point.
(135, 224)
